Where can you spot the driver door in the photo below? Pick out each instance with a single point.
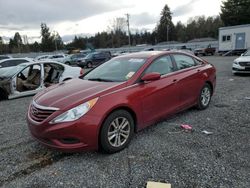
(28, 81)
(160, 97)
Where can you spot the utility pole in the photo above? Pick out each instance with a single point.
(167, 33)
(129, 41)
(55, 38)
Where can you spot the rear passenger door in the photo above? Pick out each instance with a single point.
(189, 78)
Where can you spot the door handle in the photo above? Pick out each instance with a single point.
(175, 80)
(198, 70)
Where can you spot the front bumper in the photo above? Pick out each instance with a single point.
(75, 136)
(236, 68)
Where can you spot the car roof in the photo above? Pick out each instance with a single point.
(152, 54)
(25, 58)
(144, 54)
(41, 62)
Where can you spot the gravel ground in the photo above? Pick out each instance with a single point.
(161, 152)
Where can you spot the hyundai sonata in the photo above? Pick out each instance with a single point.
(242, 64)
(104, 108)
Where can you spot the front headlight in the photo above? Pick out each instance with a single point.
(236, 63)
(75, 113)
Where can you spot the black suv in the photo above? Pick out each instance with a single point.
(94, 59)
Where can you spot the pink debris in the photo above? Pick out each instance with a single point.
(186, 127)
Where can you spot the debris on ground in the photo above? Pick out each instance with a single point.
(207, 132)
(231, 79)
(152, 184)
(186, 127)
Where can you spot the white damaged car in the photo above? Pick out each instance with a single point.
(30, 78)
(242, 64)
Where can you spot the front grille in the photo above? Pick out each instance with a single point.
(38, 114)
(245, 64)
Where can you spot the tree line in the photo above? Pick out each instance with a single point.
(233, 12)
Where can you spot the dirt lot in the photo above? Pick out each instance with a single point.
(159, 153)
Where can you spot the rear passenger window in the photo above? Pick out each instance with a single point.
(183, 61)
(162, 65)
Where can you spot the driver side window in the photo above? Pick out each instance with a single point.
(162, 65)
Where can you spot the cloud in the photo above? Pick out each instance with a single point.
(185, 9)
(33, 12)
(143, 19)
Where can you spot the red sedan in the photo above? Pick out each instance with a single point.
(105, 107)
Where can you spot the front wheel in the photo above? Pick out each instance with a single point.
(117, 131)
(204, 97)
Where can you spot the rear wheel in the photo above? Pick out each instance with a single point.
(204, 97)
(117, 131)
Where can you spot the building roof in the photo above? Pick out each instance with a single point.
(234, 27)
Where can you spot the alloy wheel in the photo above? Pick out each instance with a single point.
(205, 96)
(118, 131)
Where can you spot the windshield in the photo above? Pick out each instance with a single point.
(116, 70)
(10, 71)
(247, 53)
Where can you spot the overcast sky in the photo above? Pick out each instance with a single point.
(84, 17)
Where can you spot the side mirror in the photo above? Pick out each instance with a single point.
(151, 76)
(241, 54)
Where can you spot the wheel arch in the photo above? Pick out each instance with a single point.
(126, 108)
(211, 86)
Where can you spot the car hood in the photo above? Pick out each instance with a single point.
(73, 92)
(197, 49)
(243, 59)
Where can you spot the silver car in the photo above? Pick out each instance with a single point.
(242, 64)
(30, 78)
(14, 62)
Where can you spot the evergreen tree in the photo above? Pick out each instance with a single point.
(235, 12)
(47, 44)
(165, 29)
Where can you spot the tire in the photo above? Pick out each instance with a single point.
(3, 94)
(89, 65)
(204, 97)
(120, 126)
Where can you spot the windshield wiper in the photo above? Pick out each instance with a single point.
(100, 80)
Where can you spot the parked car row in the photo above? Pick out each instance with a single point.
(10, 62)
(94, 59)
(5, 57)
(80, 59)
